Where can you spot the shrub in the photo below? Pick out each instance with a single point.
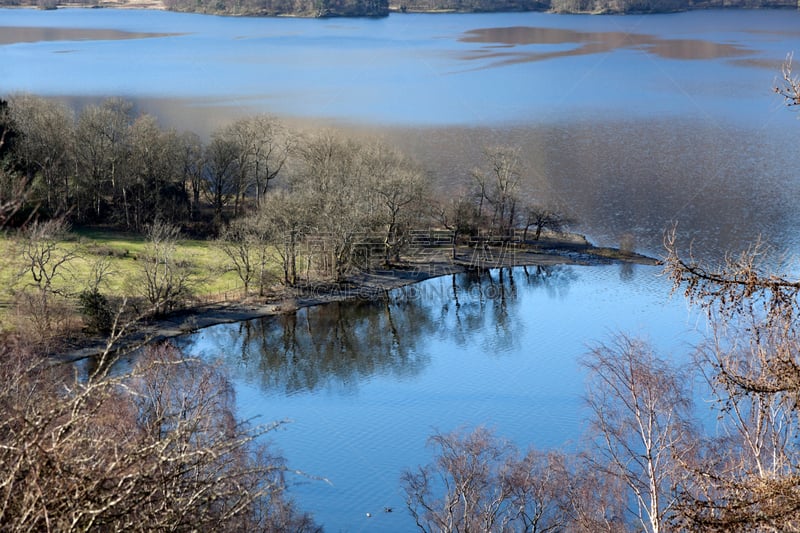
(96, 311)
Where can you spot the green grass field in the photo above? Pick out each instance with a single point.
(206, 262)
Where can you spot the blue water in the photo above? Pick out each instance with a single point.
(673, 119)
(628, 123)
(413, 69)
(501, 351)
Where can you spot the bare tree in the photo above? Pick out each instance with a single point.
(399, 186)
(262, 146)
(151, 187)
(164, 279)
(459, 215)
(101, 149)
(44, 255)
(190, 163)
(44, 271)
(97, 312)
(641, 417)
(13, 185)
(272, 144)
(499, 184)
(336, 181)
(597, 501)
(44, 148)
(8, 130)
(467, 468)
(221, 172)
(746, 479)
(790, 84)
(247, 242)
(538, 486)
(540, 218)
(486, 487)
(239, 137)
(154, 448)
(286, 218)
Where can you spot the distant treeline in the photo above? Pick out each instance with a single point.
(578, 6)
(381, 8)
(305, 8)
(299, 8)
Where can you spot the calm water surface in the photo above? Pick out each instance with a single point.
(365, 383)
(414, 69)
(629, 122)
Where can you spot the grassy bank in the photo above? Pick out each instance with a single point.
(119, 256)
(216, 289)
(122, 252)
(206, 262)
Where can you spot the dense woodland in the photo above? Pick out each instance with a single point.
(381, 8)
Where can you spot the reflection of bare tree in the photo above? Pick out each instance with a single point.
(626, 271)
(335, 345)
(555, 280)
(480, 303)
(339, 345)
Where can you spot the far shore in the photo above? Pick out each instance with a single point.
(159, 5)
(366, 285)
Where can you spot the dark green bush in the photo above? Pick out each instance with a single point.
(96, 311)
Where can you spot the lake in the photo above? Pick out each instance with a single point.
(628, 122)
(631, 123)
(366, 382)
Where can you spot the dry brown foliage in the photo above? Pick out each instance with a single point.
(154, 448)
(745, 479)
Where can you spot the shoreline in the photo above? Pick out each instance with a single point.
(364, 285)
(159, 5)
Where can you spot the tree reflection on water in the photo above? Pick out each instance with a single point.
(343, 344)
